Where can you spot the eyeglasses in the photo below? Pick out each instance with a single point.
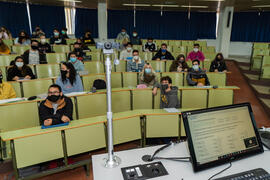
(54, 92)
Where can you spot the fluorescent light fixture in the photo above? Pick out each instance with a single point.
(141, 5)
(211, 0)
(164, 5)
(70, 1)
(187, 6)
(261, 6)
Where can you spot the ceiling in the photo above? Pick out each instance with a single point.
(211, 5)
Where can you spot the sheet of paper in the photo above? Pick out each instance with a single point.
(171, 110)
(11, 100)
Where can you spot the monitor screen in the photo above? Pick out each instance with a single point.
(221, 134)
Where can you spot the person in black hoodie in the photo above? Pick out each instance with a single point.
(43, 46)
(33, 55)
(56, 109)
(218, 64)
(163, 54)
(87, 39)
(57, 38)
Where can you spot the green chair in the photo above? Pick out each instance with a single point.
(180, 49)
(157, 100)
(146, 56)
(142, 99)
(56, 57)
(209, 49)
(61, 48)
(206, 64)
(70, 41)
(264, 67)
(130, 79)
(89, 79)
(47, 70)
(194, 98)
(175, 43)
(36, 87)
(265, 72)
(218, 79)
(19, 49)
(187, 43)
(189, 49)
(17, 88)
(94, 67)
(121, 67)
(177, 78)
(168, 65)
(210, 56)
(8, 42)
(126, 130)
(137, 47)
(261, 45)
(158, 66)
(220, 97)
(257, 55)
(116, 80)
(6, 59)
(3, 69)
(121, 101)
(91, 105)
(95, 56)
(201, 43)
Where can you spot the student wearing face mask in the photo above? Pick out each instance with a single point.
(78, 50)
(87, 38)
(148, 76)
(218, 64)
(43, 46)
(33, 55)
(123, 37)
(69, 80)
(196, 54)
(6, 89)
(57, 38)
(64, 33)
(5, 33)
(150, 45)
(4, 49)
(56, 109)
(163, 54)
(23, 39)
(136, 64)
(179, 65)
(135, 39)
(196, 76)
(19, 70)
(37, 33)
(126, 54)
(168, 93)
(78, 65)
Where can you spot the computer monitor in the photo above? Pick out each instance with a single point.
(221, 134)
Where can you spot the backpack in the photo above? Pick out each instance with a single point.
(99, 84)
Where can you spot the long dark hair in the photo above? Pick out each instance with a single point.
(221, 55)
(20, 38)
(72, 73)
(176, 62)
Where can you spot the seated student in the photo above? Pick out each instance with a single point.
(196, 54)
(163, 54)
(33, 55)
(78, 65)
(196, 76)
(123, 37)
(168, 93)
(43, 46)
(19, 70)
(4, 49)
(78, 51)
(5, 33)
(23, 39)
(136, 64)
(83, 46)
(56, 38)
(179, 65)
(148, 76)
(135, 39)
(56, 109)
(218, 64)
(38, 32)
(69, 80)
(150, 45)
(6, 90)
(126, 54)
(64, 33)
(87, 38)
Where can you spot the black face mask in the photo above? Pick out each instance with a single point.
(164, 87)
(34, 47)
(63, 74)
(53, 98)
(1, 79)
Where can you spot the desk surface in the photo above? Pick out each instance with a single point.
(17, 134)
(176, 170)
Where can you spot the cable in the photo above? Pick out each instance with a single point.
(179, 159)
(221, 171)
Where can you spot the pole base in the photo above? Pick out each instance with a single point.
(111, 164)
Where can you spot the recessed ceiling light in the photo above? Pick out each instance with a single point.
(261, 6)
(142, 5)
(187, 6)
(164, 5)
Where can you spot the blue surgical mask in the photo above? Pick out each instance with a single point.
(72, 59)
(163, 50)
(195, 67)
(147, 70)
(56, 33)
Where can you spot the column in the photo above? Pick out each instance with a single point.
(224, 30)
(102, 21)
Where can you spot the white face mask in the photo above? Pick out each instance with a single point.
(150, 43)
(43, 41)
(195, 67)
(19, 64)
(195, 49)
(136, 57)
(123, 33)
(129, 48)
(134, 34)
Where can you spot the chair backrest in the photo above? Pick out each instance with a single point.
(146, 56)
(264, 52)
(219, 97)
(56, 57)
(121, 67)
(8, 42)
(94, 67)
(209, 56)
(187, 43)
(266, 60)
(177, 78)
(261, 45)
(206, 64)
(89, 79)
(265, 72)
(61, 48)
(168, 65)
(142, 99)
(6, 59)
(95, 55)
(175, 43)
(116, 80)
(3, 69)
(19, 49)
(158, 66)
(121, 101)
(130, 79)
(17, 88)
(19, 115)
(70, 41)
(218, 79)
(208, 49)
(201, 43)
(196, 98)
(47, 70)
(36, 87)
(91, 105)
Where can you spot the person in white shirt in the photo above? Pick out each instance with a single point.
(126, 54)
(123, 38)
